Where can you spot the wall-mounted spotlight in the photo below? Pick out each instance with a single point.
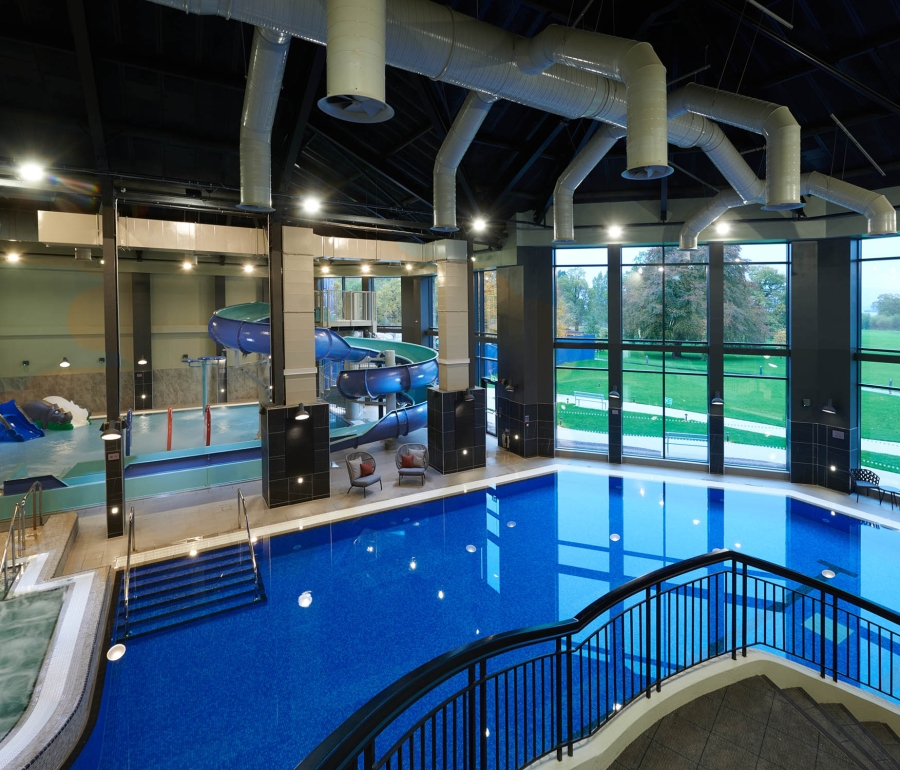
(326, 269)
(469, 395)
(190, 261)
(302, 414)
(614, 231)
(311, 205)
(409, 266)
(829, 407)
(717, 400)
(65, 364)
(508, 386)
(109, 431)
(479, 225)
(365, 268)
(13, 257)
(248, 268)
(613, 392)
(723, 228)
(142, 361)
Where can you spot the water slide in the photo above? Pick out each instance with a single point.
(15, 425)
(246, 328)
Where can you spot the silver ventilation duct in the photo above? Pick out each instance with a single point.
(684, 131)
(881, 217)
(634, 64)
(773, 121)
(355, 63)
(267, 59)
(466, 124)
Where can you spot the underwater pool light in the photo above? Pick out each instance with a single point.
(115, 652)
(828, 574)
(471, 548)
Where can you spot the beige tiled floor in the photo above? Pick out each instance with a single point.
(166, 520)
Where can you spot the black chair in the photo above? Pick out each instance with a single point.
(863, 478)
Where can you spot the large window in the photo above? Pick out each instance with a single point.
(879, 357)
(388, 313)
(582, 302)
(664, 358)
(755, 365)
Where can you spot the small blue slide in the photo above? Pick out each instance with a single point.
(246, 328)
(15, 425)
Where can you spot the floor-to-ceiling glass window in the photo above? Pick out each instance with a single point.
(388, 313)
(582, 332)
(879, 357)
(664, 352)
(486, 340)
(755, 285)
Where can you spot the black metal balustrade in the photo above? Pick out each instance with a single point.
(505, 701)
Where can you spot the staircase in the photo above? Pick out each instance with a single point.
(754, 724)
(178, 591)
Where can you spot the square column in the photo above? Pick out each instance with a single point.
(453, 324)
(295, 454)
(456, 430)
(300, 248)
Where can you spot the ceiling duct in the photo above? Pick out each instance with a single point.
(773, 121)
(267, 60)
(684, 131)
(466, 124)
(355, 35)
(881, 217)
(628, 61)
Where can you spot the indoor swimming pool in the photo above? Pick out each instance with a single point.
(262, 686)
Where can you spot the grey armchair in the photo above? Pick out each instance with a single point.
(416, 472)
(361, 481)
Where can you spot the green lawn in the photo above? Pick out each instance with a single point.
(881, 339)
(752, 398)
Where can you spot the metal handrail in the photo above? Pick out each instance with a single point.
(37, 504)
(129, 547)
(242, 507)
(14, 547)
(648, 602)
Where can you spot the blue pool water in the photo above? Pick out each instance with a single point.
(259, 688)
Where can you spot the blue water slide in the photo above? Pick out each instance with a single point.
(246, 328)
(15, 425)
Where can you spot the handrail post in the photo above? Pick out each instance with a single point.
(658, 637)
(822, 634)
(744, 615)
(369, 756)
(733, 609)
(483, 720)
(570, 706)
(648, 659)
(559, 699)
(834, 638)
(470, 765)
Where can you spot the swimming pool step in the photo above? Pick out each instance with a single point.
(168, 594)
(203, 571)
(160, 599)
(199, 611)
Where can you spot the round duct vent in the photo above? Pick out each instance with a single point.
(356, 109)
(641, 173)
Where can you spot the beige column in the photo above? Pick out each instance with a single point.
(300, 248)
(453, 313)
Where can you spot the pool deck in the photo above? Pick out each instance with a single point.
(164, 524)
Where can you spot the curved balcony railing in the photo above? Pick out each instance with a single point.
(505, 701)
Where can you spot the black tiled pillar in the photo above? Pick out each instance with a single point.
(295, 454)
(526, 416)
(142, 347)
(823, 447)
(456, 430)
(716, 370)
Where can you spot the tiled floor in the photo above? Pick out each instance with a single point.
(165, 520)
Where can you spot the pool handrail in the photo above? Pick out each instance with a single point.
(355, 738)
(129, 547)
(15, 536)
(242, 508)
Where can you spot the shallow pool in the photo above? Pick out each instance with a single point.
(260, 687)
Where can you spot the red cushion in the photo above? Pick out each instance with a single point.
(366, 469)
(406, 461)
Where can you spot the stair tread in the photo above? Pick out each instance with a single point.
(191, 607)
(859, 732)
(207, 598)
(144, 603)
(886, 737)
(187, 563)
(172, 620)
(141, 588)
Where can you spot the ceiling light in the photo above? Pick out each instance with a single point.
(31, 172)
(65, 364)
(12, 257)
(142, 361)
(311, 205)
(408, 266)
(478, 224)
(365, 268)
(723, 228)
(614, 231)
(248, 268)
(302, 414)
(326, 269)
(187, 264)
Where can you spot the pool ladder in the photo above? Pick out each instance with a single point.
(129, 547)
(15, 537)
(242, 510)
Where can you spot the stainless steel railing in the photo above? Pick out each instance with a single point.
(242, 510)
(129, 547)
(15, 537)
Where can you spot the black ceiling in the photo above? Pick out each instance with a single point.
(152, 97)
